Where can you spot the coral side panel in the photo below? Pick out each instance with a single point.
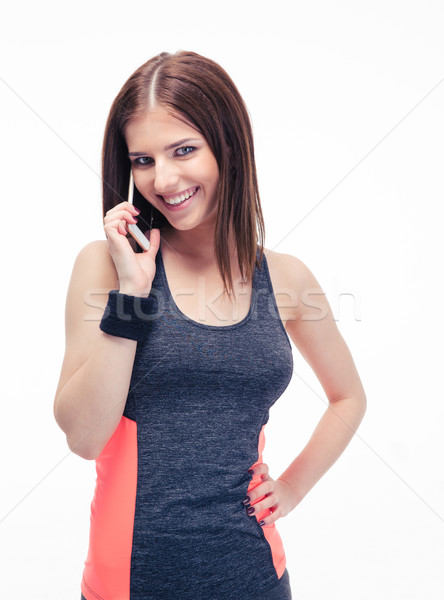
(108, 564)
(270, 532)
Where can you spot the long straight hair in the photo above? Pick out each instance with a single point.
(198, 91)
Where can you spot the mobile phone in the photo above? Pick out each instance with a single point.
(136, 233)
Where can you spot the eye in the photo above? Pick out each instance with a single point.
(184, 150)
(142, 161)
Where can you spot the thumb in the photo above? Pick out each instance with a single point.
(154, 238)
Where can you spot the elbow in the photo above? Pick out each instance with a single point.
(355, 407)
(361, 402)
(59, 414)
(82, 448)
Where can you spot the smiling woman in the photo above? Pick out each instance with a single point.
(181, 182)
(170, 388)
(188, 93)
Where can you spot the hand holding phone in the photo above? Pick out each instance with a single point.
(136, 233)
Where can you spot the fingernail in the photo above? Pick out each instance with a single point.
(137, 209)
(250, 471)
(250, 510)
(261, 522)
(246, 500)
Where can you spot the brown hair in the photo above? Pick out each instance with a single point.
(200, 92)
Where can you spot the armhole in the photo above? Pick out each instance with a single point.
(270, 285)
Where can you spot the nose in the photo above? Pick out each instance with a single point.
(166, 177)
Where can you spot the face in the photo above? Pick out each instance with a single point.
(174, 169)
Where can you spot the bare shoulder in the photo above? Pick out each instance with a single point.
(95, 257)
(312, 328)
(93, 276)
(285, 265)
(292, 280)
(95, 266)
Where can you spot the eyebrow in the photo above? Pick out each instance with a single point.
(179, 143)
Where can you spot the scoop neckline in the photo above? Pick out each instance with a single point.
(188, 319)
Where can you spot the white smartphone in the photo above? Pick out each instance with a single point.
(136, 233)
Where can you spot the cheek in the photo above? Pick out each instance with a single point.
(213, 172)
(143, 182)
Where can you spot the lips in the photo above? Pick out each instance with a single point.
(181, 200)
(181, 197)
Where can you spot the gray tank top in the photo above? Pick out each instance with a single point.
(200, 396)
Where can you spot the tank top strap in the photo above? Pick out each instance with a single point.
(263, 302)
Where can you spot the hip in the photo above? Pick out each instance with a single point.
(281, 591)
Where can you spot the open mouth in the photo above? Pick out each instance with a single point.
(181, 198)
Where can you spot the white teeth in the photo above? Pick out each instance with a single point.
(181, 198)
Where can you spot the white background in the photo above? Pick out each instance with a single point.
(346, 102)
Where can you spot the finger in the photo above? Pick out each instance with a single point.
(259, 469)
(123, 206)
(266, 502)
(122, 228)
(270, 519)
(117, 226)
(120, 214)
(154, 237)
(260, 490)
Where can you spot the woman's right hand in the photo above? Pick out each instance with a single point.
(135, 270)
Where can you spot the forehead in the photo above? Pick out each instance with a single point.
(157, 128)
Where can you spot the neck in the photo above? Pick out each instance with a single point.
(196, 245)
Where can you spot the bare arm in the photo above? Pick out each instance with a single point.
(317, 337)
(96, 370)
(97, 367)
(312, 328)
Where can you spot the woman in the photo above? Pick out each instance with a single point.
(170, 387)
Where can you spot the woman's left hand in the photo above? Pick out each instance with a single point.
(279, 497)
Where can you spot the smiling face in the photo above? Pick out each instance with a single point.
(174, 169)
